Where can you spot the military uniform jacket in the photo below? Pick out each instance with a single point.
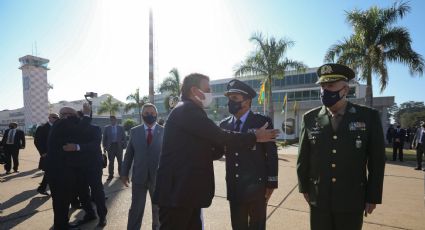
(250, 170)
(344, 169)
(185, 176)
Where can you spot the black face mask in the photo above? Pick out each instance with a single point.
(149, 119)
(234, 106)
(330, 98)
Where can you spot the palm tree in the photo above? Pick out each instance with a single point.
(375, 42)
(136, 102)
(172, 85)
(269, 61)
(109, 106)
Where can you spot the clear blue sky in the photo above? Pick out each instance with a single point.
(102, 46)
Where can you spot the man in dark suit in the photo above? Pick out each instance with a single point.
(60, 178)
(251, 173)
(40, 142)
(13, 140)
(185, 177)
(114, 141)
(83, 167)
(398, 142)
(341, 157)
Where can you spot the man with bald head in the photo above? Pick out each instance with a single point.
(66, 130)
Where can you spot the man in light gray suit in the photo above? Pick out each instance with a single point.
(114, 142)
(143, 152)
(418, 143)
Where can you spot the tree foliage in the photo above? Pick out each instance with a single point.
(136, 102)
(172, 86)
(408, 107)
(109, 106)
(128, 124)
(375, 41)
(269, 60)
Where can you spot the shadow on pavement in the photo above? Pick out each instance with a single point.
(25, 195)
(20, 174)
(25, 213)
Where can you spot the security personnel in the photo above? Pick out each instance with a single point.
(341, 156)
(251, 173)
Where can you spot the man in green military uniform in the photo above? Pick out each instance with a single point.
(341, 156)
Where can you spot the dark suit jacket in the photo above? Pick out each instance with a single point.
(90, 154)
(40, 138)
(185, 176)
(62, 132)
(19, 141)
(400, 134)
(342, 170)
(250, 170)
(40, 142)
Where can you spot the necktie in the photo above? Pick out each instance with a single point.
(149, 139)
(238, 125)
(115, 134)
(10, 137)
(335, 120)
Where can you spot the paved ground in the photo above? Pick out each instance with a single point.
(23, 208)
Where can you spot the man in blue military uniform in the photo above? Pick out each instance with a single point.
(341, 155)
(251, 173)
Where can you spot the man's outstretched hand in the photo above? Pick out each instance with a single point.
(265, 135)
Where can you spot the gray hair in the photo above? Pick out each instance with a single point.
(146, 105)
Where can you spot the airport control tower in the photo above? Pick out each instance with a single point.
(35, 87)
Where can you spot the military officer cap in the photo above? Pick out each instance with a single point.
(236, 86)
(334, 72)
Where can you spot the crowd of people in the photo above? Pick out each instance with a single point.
(340, 165)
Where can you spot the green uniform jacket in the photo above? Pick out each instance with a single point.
(344, 169)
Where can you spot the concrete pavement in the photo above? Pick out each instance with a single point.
(403, 203)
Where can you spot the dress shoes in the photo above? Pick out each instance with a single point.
(86, 219)
(417, 168)
(102, 222)
(43, 192)
(73, 227)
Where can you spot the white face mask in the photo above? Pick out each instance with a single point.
(207, 101)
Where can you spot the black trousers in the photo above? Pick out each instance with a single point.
(11, 152)
(90, 186)
(60, 198)
(114, 151)
(44, 182)
(179, 218)
(328, 220)
(420, 150)
(398, 147)
(249, 215)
